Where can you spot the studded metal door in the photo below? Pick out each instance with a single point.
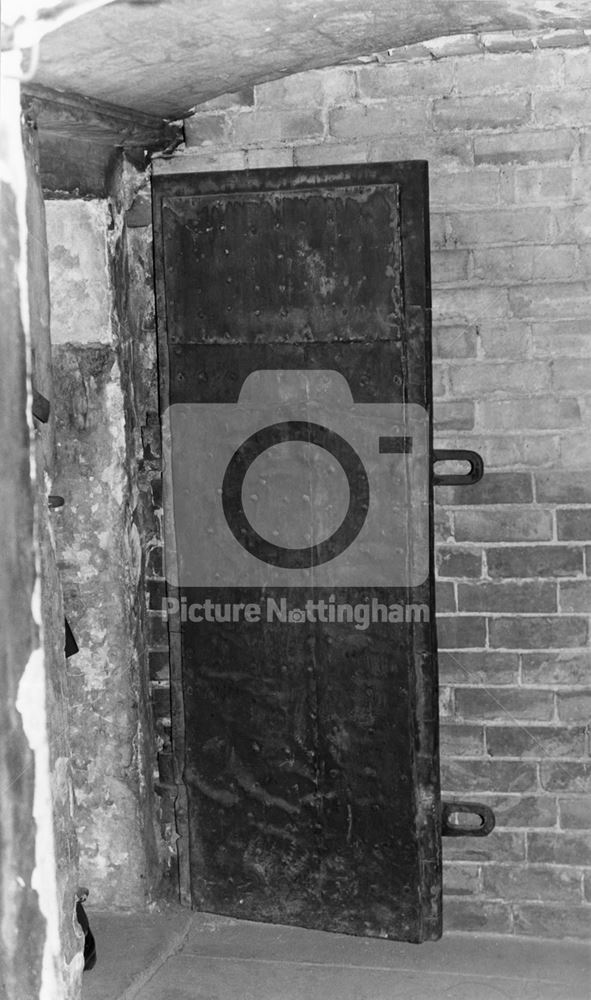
(293, 313)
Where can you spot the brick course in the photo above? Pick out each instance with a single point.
(503, 121)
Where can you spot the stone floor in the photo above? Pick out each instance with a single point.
(178, 955)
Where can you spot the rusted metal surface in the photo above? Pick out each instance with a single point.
(308, 268)
(308, 747)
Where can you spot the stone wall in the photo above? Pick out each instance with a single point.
(505, 128)
(101, 561)
(133, 280)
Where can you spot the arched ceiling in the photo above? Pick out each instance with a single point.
(163, 58)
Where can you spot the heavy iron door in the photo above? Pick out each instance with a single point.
(294, 346)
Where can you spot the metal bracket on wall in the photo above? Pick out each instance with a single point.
(451, 825)
(70, 644)
(451, 828)
(458, 479)
(41, 407)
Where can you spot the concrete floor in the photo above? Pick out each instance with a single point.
(178, 955)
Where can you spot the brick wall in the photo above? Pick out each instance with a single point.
(504, 122)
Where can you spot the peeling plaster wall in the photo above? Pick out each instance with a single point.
(21, 916)
(70, 939)
(40, 947)
(100, 555)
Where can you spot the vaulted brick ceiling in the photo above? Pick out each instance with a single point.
(165, 57)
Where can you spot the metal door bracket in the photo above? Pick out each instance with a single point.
(458, 479)
(41, 407)
(453, 828)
